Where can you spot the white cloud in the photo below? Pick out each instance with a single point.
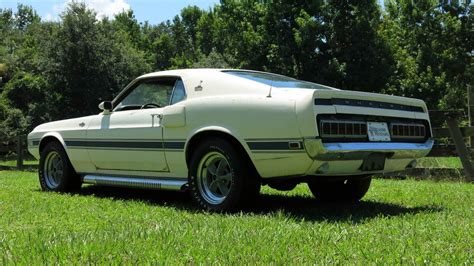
(53, 14)
(103, 8)
(49, 17)
(107, 8)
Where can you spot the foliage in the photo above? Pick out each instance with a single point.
(56, 70)
(433, 46)
(12, 123)
(91, 60)
(355, 44)
(213, 60)
(28, 93)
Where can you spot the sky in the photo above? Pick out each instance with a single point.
(153, 11)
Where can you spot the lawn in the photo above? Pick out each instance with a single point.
(12, 163)
(437, 162)
(399, 221)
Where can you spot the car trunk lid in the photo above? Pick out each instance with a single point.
(349, 116)
(364, 103)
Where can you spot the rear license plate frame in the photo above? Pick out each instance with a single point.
(378, 132)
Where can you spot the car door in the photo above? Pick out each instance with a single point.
(130, 138)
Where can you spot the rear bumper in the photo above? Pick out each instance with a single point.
(346, 158)
(318, 150)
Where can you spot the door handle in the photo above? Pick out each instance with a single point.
(159, 116)
(82, 124)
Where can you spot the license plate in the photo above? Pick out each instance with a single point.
(378, 131)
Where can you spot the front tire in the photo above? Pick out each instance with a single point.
(221, 179)
(55, 170)
(349, 190)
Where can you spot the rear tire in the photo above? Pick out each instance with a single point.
(220, 178)
(350, 190)
(55, 170)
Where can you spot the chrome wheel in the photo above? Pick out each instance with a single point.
(214, 177)
(53, 169)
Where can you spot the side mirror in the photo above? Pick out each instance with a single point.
(106, 106)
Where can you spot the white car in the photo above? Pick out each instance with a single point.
(224, 133)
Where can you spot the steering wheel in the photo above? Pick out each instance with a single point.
(150, 104)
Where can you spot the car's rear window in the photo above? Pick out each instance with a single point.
(276, 81)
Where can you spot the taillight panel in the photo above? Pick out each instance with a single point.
(353, 128)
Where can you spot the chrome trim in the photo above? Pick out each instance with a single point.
(316, 149)
(135, 182)
(377, 146)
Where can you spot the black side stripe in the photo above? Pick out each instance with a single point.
(126, 144)
(272, 145)
(178, 145)
(173, 144)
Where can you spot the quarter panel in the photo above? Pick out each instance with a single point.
(174, 116)
(263, 125)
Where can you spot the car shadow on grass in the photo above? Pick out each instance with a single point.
(299, 208)
(309, 209)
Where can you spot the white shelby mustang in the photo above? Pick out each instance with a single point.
(224, 133)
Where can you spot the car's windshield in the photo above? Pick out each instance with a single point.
(276, 81)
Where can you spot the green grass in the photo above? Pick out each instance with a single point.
(12, 163)
(397, 222)
(439, 162)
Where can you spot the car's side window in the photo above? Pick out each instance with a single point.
(179, 93)
(148, 94)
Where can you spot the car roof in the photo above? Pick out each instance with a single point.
(180, 72)
(203, 72)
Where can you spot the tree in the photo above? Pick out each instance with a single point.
(127, 23)
(432, 44)
(12, 122)
(295, 32)
(25, 16)
(190, 17)
(30, 94)
(163, 47)
(213, 60)
(55, 70)
(91, 61)
(240, 32)
(358, 51)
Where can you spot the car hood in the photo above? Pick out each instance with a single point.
(67, 124)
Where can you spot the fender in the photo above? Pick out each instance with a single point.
(219, 129)
(222, 130)
(57, 136)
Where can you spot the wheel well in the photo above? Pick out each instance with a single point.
(45, 141)
(201, 136)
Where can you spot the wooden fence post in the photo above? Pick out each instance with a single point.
(470, 111)
(460, 146)
(19, 153)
